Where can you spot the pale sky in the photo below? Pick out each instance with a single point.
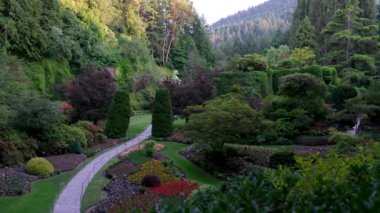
(213, 10)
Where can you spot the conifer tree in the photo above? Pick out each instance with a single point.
(349, 32)
(119, 115)
(305, 35)
(162, 120)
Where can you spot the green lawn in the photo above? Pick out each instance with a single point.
(192, 171)
(138, 157)
(93, 192)
(179, 123)
(45, 191)
(138, 125)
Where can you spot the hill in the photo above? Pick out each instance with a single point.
(255, 28)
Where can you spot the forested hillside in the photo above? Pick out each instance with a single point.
(58, 51)
(254, 29)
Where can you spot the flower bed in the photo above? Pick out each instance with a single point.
(68, 162)
(117, 191)
(121, 169)
(157, 147)
(175, 188)
(139, 203)
(14, 183)
(152, 168)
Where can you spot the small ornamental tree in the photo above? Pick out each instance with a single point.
(119, 114)
(91, 94)
(162, 120)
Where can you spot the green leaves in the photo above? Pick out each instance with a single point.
(162, 120)
(118, 117)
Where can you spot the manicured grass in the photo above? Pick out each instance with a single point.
(93, 192)
(192, 171)
(138, 124)
(179, 123)
(44, 192)
(41, 198)
(138, 157)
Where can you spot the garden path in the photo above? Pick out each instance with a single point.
(70, 199)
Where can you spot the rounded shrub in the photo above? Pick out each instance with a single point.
(282, 159)
(151, 181)
(39, 166)
(119, 115)
(162, 118)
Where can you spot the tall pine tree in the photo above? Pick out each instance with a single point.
(305, 35)
(348, 30)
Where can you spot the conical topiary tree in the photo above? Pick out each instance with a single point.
(118, 116)
(162, 121)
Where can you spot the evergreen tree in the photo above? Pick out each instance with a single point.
(118, 117)
(348, 32)
(305, 35)
(162, 120)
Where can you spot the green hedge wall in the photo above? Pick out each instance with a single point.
(327, 74)
(251, 83)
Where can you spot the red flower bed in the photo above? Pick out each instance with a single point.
(175, 188)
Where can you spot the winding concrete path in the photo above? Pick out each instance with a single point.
(70, 199)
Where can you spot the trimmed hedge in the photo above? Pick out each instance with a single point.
(328, 74)
(162, 117)
(39, 166)
(251, 83)
(119, 115)
(306, 140)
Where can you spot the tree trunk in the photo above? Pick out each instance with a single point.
(169, 49)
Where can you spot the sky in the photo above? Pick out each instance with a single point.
(213, 10)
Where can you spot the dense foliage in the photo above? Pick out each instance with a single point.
(39, 166)
(118, 116)
(336, 183)
(162, 120)
(226, 120)
(91, 94)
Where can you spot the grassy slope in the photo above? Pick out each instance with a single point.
(44, 192)
(192, 171)
(93, 194)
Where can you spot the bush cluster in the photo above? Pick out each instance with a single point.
(39, 166)
(252, 84)
(64, 139)
(330, 184)
(94, 133)
(16, 147)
